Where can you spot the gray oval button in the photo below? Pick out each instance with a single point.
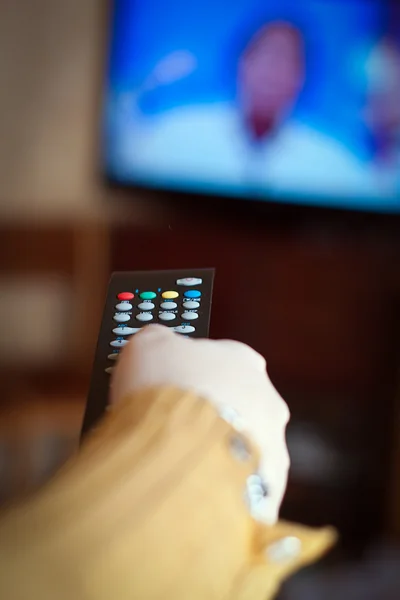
(183, 329)
(118, 343)
(190, 316)
(113, 356)
(109, 370)
(144, 317)
(166, 316)
(168, 305)
(121, 317)
(189, 281)
(146, 306)
(126, 330)
(124, 306)
(191, 304)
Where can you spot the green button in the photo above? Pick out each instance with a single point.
(147, 295)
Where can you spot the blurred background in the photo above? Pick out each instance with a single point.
(315, 289)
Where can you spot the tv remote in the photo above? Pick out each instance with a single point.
(179, 299)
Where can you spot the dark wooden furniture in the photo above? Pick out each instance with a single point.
(42, 402)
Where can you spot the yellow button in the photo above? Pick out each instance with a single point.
(170, 295)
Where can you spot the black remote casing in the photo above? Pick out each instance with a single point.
(137, 283)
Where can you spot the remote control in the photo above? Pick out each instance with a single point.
(179, 299)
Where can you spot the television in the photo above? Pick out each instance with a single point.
(269, 100)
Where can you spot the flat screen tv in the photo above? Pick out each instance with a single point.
(266, 100)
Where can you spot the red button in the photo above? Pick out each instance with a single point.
(125, 296)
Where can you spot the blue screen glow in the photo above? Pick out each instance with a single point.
(265, 99)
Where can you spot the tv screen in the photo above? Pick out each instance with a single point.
(261, 99)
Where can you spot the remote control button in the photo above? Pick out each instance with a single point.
(121, 317)
(113, 356)
(168, 305)
(148, 295)
(146, 306)
(124, 306)
(125, 296)
(109, 370)
(189, 281)
(191, 304)
(192, 294)
(170, 295)
(126, 330)
(183, 329)
(119, 343)
(166, 316)
(145, 317)
(190, 316)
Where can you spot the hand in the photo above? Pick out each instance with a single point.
(228, 374)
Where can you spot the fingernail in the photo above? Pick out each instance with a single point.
(231, 416)
(256, 496)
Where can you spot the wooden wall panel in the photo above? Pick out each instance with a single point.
(76, 253)
(41, 250)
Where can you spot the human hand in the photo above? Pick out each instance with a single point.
(233, 378)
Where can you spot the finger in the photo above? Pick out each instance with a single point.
(143, 359)
(152, 331)
(274, 470)
(266, 419)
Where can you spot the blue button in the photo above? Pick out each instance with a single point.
(192, 294)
